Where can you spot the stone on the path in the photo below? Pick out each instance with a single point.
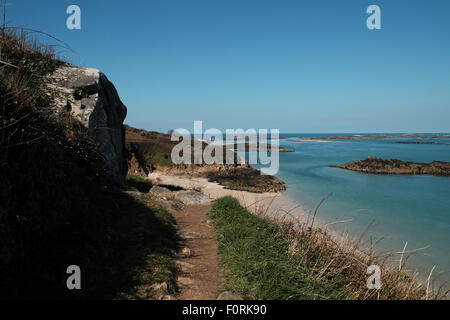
(161, 192)
(185, 266)
(187, 197)
(190, 197)
(190, 235)
(186, 252)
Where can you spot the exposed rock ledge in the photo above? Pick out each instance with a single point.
(239, 177)
(394, 166)
(89, 96)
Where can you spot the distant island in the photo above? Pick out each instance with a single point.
(393, 166)
(365, 137)
(374, 137)
(259, 147)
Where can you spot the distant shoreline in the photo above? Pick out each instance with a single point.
(418, 136)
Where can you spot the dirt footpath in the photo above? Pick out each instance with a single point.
(200, 275)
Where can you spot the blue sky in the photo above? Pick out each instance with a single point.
(299, 66)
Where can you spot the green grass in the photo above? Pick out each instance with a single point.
(151, 154)
(257, 261)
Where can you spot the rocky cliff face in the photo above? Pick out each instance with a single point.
(89, 96)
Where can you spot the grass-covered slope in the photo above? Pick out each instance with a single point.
(257, 261)
(269, 260)
(59, 205)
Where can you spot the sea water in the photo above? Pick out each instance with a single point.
(398, 209)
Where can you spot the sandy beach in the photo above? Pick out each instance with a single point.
(252, 201)
(275, 205)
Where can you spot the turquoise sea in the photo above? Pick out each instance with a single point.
(413, 209)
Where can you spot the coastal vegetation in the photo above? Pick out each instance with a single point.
(147, 150)
(274, 259)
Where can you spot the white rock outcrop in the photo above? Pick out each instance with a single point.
(90, 97)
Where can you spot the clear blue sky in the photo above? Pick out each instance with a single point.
(299, 66)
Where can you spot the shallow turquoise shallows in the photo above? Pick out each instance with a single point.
(413, 209)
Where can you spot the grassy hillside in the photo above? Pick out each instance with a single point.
(58, 203)
(269, 260)
(146, 149)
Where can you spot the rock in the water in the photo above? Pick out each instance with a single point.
(228, 295)
(394, 166)
(89, 96)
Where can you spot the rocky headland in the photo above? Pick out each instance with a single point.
(149, 152)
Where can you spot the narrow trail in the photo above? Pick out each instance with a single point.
(200, 276)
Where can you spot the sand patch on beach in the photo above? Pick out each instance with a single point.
(275, 205)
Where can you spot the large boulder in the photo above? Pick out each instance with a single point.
(89, 96)
(187, 197)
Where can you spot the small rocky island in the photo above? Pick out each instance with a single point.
(394, 166)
